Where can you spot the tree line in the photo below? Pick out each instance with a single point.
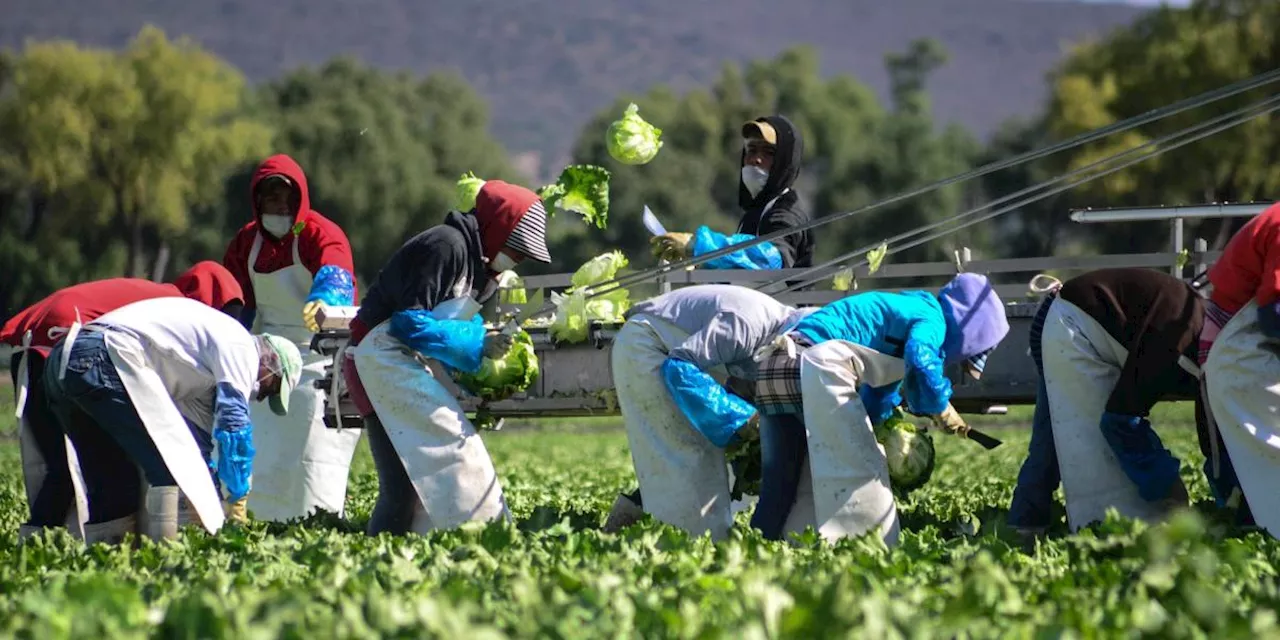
(136, 162)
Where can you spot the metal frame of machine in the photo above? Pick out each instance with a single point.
(576, 379)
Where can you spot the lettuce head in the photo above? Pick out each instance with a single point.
(467, 189)
(503, 378)
(631, 140)
(582, 189)
(908, 452)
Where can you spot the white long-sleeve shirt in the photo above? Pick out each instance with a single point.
(194, 348)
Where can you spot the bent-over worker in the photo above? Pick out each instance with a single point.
(433, 469)
(291, 260)
(35, 330)
(822, 464)
(1242, 367)
(145, 375)
(771, 154)
(678, 417)
(1108, 344)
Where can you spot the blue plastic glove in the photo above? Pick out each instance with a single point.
(926, 386)
(1269, 320)
(459, 344)
(1141, 454)
(760, 256)
(880, 402)
(713, 411)
(235, 460)
(333, 286)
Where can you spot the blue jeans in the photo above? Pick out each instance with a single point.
(783, 449)
(1039, 476)
(91, 402)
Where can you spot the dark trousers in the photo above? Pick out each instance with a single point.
(393, 512)
(1039, 476)
(783, 450)
(53, 499)
(96, 413)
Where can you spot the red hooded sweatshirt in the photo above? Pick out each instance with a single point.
(1249, 268)
(210, 283)
(321, 242)
(207, 282)
(92, 299)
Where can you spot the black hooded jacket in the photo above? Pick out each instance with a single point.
(786, 212)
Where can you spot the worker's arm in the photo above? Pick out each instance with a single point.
(927, 388)
(761, 256)
(236, 260)
(235, 367)
(709, 407)
(459, 344)
(787, 246)
(326, 253)
(880, 402)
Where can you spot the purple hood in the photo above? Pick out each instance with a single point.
(975, 317)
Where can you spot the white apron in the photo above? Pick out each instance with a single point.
(1242, 376)
(849, 491)
(444, 456)
(1082, 363)
(300, 464)
(684, 479)
(164, 424)
(34, 467)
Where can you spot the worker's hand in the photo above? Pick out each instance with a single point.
(237, 510)
(950, 421)
(309, 311)
(672, 246)
(496, 345)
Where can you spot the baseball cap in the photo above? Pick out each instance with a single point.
(290, 371)
(760, 130)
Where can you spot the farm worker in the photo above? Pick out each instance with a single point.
(291, 261)
(433, 469)
(35, 330)
(771, 152)
(146, 375)
(809, 384)
(679, 418)
(1242, 370)
(1108, 345)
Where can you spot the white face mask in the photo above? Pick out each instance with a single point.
(753, 178)
(277, 225)
(502, 262)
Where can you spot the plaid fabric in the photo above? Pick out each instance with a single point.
(1215, 318)
(778, 380)
(1034, 337)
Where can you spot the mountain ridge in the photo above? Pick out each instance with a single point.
(546, 67)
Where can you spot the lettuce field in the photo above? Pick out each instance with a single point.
(552, 573)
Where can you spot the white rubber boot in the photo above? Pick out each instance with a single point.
(160, 513)
(111, 531)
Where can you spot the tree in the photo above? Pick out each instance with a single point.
(382, 151)
(856, 152)
(1168, 55)
(111, 151)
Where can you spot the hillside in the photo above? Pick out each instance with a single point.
(547, 65)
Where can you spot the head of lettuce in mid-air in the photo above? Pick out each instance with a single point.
(631, 140)
(502, 378)
(582, 189)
